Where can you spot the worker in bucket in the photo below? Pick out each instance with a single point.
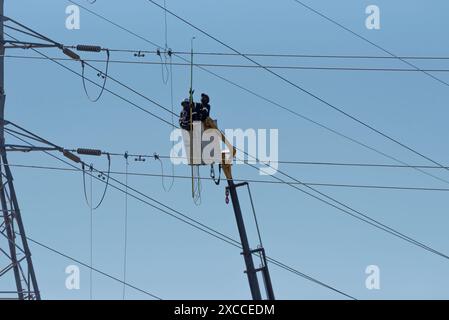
(200, 111)
(184, 117)
(203, 108)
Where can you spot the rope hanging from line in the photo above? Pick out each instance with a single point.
(100, 74)
(100, 176)
(157, 158)
(125, 249)
(168, 57)
(172, 119)
(166, 73)
(164, 65)
(91, 238)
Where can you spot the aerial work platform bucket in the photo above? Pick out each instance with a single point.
(201, 145)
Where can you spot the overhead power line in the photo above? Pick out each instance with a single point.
(231, 241)
(318, 163)
(185, 218)
(326, 200)
(105, 89)
(263, 98)
(330, 201)
(300, 88)
(290, 162)
(350, 211)
(60, 253)
(358, 35)
(232, 66)
(287, 55)
(362, 216)
(337, 185)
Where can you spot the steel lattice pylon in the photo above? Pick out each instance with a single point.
(15, 256)
(14, 246)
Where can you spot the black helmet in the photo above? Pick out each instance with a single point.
(204, 98)
(186, 102)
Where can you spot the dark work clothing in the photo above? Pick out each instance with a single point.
(184, 118)
(204, 110)
(200, 112)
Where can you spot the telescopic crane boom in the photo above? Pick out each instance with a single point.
(248, 253)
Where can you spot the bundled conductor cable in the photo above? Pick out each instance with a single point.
(91, 169)
(90, 48)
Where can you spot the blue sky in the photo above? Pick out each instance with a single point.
(173, 260)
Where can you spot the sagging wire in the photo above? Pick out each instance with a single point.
(125, 251)
(70, 155)
(100, 175)
(172, 117)
(165, 69)
(166, 74)
(165, 79)
(100, 74)
(157, 158)
(83, 167)
(71, 54)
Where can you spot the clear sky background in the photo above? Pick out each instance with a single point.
(171, 259)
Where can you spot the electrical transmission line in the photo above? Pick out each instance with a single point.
(227, 239)
(390, 53)
(307, 163)
(328, 200)
(373, 222)
(181, 216)
(300, 88)
(234, 66)
(270, 101)
(86, 265)
(286, 55)
(336, 185)
(335, 204)
(100, 86)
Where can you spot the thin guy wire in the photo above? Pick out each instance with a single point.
(369, 41)
(125, 251)
(91, 239)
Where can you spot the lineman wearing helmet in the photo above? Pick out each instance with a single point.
(200, 111)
